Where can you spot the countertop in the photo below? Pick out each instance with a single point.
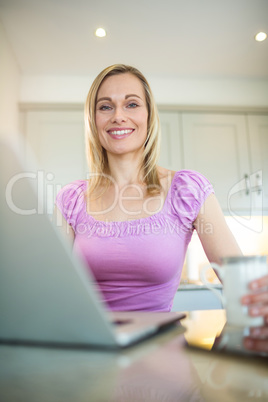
(162, 368)
(197, 286)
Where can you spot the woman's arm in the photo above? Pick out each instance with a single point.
(218, 241)
(66, 230)
(216, 238)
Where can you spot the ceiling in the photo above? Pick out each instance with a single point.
(185, 38)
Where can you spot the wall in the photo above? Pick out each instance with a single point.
(10, 87)
(167, 91)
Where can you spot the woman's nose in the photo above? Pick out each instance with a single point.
(119, 116)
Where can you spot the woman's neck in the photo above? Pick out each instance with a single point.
(125, 170)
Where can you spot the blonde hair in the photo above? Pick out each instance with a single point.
(96, 154)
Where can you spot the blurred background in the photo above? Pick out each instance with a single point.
(208, 73)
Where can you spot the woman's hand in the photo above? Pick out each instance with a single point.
(257, 339)
(257, 301)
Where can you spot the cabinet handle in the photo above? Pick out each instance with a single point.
(259, 183)
(246, 177)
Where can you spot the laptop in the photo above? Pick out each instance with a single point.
(46, 294)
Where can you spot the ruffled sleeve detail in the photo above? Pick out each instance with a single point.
(71, 200)
(188, 192)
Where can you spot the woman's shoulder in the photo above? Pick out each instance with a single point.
(185, 186)
(70, 199)
(72, 190)
(192, 177)
(164, 173)
(75, 186)
(188, 191)
(185, 177)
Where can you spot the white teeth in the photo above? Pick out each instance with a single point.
(121, 132)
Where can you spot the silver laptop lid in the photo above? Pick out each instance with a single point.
(46, 295)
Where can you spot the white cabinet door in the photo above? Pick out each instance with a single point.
(171, 154)
(258, 140)
(57, 141)
(216, 146)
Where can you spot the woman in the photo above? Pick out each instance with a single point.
(133, 220)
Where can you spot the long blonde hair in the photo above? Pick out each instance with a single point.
(96, 154)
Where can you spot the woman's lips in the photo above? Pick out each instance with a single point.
(120, 133)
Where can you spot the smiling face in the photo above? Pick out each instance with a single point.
(121, 114)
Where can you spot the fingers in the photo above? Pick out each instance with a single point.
(259, 332)
(257, 339)
(260, 289)
(257, 302)
(259, 283)
(258, 309)
(261, 297)
(257, 305)
(260, 345)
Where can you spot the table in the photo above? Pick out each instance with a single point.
(162, 368)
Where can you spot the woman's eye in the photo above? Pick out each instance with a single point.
(132, 105)
(105, 107)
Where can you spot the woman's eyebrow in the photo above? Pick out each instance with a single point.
(106, 98)
(131, 95)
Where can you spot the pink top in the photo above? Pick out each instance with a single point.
(137, 264)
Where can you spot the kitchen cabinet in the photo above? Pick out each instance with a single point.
(216, 145)
(230, 150)
(171, 153)
(258, 141)
(56, 138)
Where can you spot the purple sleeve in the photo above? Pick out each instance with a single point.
(70, 200)
(189, 191)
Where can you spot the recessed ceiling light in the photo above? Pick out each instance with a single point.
(260, 36)
(100, 32)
